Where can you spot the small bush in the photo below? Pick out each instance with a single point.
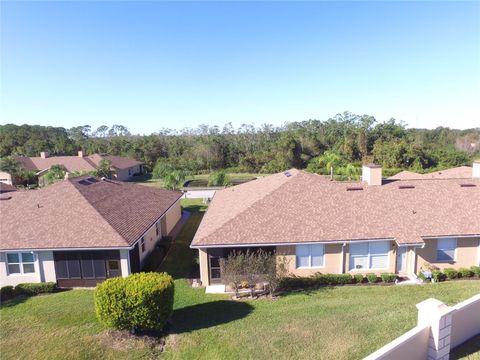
(142, 301)
(297, 282)
(372, 278)
(476, 270)
(388, 277)
(422, 276)
(344, 279)
(7, 292)
(30, 289)
(464, 272)
(358, 278)
(438, 276)
(450, 273)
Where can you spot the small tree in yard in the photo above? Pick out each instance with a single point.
(233, 270)
(56, 173)
(276, 268)
(104, 169)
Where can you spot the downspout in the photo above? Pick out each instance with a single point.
(342, 262)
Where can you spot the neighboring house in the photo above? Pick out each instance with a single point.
(81, 231)
(124, 168)
(345, 227)
(5, 178)
(461, 172)
(4, 188)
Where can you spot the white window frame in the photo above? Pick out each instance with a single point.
(21, 263)
(454, 251)
(310, 256)
(369, 268)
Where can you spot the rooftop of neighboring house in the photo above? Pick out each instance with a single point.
(80, 162)
(83, 212)
(300, 207)
(461, 172)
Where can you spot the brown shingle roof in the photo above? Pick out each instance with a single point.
(76, 213)
(6, 188)
(306, 208)
(76, 163)
(461, 172)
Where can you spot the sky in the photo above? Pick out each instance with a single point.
(153, 65)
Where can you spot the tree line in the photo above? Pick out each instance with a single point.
(342, 142)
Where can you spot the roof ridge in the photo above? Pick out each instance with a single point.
(71, 183)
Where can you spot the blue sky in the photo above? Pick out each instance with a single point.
(150, 65)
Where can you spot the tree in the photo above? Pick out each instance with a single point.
(11, 166)
(54, 174)
(276, 268)
(161, 169)
(233, 270)
(101, 131)
(104, 169)
(219, 178)
(174, 179)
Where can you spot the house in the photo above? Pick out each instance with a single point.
(456, 172)
(374, 225)
(82, 230)
(123, 168)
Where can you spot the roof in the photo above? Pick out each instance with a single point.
(306, 208)
(76, 163)
(81, 213)
(461, 172)
(6, 187)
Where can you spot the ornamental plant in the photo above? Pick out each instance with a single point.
(142, 301)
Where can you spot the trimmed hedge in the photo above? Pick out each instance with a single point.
(476, 270)
(388, 277)
(7, 292)
(35, 288)
(358, 278)
(438, 276)
(142, 301)
(372, 278)
(464, 272)
(450, 273)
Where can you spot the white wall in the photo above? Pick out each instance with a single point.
(125, 262)
(465, 320)
(44, 270)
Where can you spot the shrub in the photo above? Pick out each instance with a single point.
(372, 278)
(297, 282)
(438, 276)
(142, 301)
(388, 277)
(476, 270)
(358, 278)
(422, 276)
(464, 272)
(35, 288)
(344, 279)
(450, 273)
(7, 292)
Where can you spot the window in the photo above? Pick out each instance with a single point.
(142, 243)
(21, 263)
(446, 249)
(309, 256)
(369, 255)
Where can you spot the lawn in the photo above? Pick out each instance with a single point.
(346, 322)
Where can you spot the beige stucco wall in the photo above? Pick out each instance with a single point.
(203, 260)
(331, 261)
(44, 270)
(5, 178)
(467, 254)
(173, 215)
(124, 263)
(122, 174)
(391, 261)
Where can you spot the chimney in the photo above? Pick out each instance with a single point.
(44, 154)
(80, 153)
(372, 174)
(476, 169)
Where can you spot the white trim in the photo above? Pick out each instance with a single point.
(289, 244)
(369, 259)
(310, 258)
(450, 236)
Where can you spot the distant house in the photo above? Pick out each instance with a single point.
(375, 225)
(81, 231)
(123, 168)
(460, 172)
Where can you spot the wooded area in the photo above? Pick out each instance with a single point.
(344, 142)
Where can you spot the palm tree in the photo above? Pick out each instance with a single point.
(351, 171)
(174, 179)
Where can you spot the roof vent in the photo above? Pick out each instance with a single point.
(406, 187)
(287, 173)
(354, 188)
(468, 185)
(88, 181)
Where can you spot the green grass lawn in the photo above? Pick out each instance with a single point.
(346, 322)
(147, 179)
